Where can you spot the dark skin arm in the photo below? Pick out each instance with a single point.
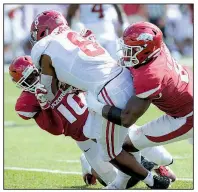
(71, 12)
(134, 109)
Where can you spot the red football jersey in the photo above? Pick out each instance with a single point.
(73, 113)
(27, 105)
(166, 83)
(67, 114)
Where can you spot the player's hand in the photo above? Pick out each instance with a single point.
(88, 34)
(40, 93)
(93, 104)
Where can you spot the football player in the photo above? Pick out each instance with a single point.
(70, 57)
(67, 114)
(106, 21)
(157, 79)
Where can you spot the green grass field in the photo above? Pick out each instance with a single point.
(34, 159)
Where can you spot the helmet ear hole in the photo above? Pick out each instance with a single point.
(42, 34)
(154, 32)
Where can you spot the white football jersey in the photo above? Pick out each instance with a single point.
(100, 19)
(91, 13)
(79, 62)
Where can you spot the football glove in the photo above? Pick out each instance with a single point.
(93, 104)
(41, 95)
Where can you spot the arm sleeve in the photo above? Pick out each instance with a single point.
(50, 121)
(27, 106)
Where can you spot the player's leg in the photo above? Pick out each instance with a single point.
(162, 159)
(161, 131)
(160, 156)
(112, 136)
(92, 163)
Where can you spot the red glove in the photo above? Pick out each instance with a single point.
(41, 95)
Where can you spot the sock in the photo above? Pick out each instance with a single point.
(121, 180)
(149, 179)
(85, 165)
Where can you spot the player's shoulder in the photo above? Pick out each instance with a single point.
(149, 72)
(27, 104)
(148, 78)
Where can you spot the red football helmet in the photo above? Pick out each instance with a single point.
(24, 73)
(141, 41)
(45, 23)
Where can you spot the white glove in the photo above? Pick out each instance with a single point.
(93, 104)
(40, 93)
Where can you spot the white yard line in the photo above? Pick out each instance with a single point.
(178, 157)
(43, 170)
(68, 161)
(65, 172)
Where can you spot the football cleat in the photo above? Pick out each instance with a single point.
(160, 182)
(134, 180)
(166, 171)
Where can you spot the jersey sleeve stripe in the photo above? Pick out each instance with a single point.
(26, 114)
(148, 93)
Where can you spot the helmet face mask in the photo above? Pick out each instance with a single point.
(33, 36)
(29, 79)
(129, 54)
(24, 74)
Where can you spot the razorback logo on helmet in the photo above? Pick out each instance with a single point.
(145, 37)
(140, 43)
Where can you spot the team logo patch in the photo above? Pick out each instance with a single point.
(145, 37)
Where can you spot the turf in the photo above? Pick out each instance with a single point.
(27, 146)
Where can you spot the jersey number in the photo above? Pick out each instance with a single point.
(75, 106)
(88, 47)
(181, 72)
(98, 9)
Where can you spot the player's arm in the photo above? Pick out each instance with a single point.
(46, 66)
(71, 12)
(49, 121)
(48, 76)
(28, 107)
(134, 109)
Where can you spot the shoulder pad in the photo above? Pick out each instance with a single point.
(38, 49)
